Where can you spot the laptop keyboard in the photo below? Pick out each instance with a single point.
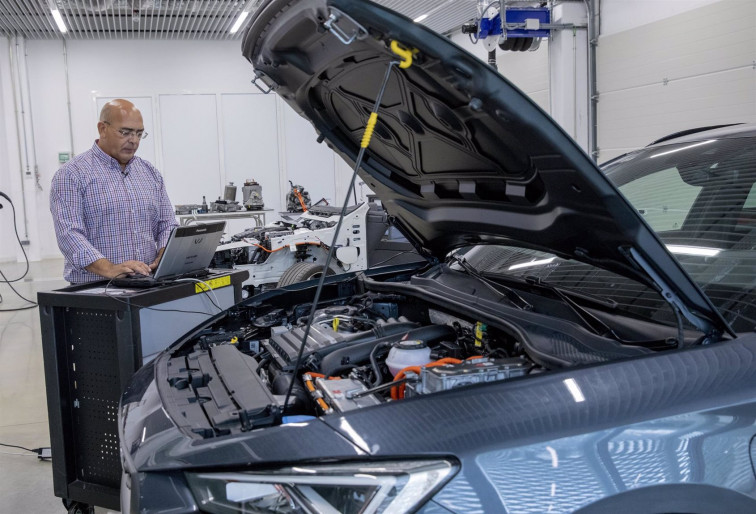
(140, 281)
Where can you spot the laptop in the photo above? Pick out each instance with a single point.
(188, 254)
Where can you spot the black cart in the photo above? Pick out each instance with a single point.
(93, 340)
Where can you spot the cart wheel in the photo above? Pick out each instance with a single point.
(78, 507)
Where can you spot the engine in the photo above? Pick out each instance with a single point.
(372, 349)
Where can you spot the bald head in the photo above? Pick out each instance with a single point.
(116, 109)
(118, 116)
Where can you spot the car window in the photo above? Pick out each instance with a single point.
(663, 198)
(700, 198)
(750, 202)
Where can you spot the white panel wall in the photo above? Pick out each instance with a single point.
(690, 70)
(250, 150)
(621, 15)
(189, 137)
(10, 173)
(309, 163)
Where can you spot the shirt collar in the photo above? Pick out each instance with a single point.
(108, 160)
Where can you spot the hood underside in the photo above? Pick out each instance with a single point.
(459, 155)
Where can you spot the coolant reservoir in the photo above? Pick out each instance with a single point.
(407, 353)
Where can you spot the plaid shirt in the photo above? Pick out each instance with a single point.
(100, 212)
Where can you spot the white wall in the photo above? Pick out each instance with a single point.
(621, 15)
(9, 165)
(693, 69)
(207, 124)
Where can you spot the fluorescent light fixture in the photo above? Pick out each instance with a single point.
(682, 148)
(530, 264)
(699, 251)
(238, 23)
(420, 18)
(58, 20)
(574, 390)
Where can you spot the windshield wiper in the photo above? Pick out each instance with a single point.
(590, 321)
(502, 290)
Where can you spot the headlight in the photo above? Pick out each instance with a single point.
(338, 488)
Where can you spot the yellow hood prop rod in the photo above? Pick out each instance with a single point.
(404, 63)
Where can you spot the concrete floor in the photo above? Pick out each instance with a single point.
(25, 481)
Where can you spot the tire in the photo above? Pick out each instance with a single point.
(300, 272)
(79, 508)
(507, 44)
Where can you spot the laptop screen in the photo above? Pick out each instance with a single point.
(189, 249)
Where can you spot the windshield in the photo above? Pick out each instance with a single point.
(700, 199)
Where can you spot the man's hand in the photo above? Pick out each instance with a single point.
(154, 264)
(107, 269)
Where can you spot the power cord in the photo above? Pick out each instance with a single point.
(26, 271)
(43, 453)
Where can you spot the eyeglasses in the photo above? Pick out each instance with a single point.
(127, 133)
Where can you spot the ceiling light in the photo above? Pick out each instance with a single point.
(238, 23)
(420, 18)
(58, 18)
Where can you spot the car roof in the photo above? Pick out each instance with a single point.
(712, 132)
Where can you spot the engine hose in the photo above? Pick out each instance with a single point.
(432, 334)
(376, 368)
(280, 383)
(308, 380)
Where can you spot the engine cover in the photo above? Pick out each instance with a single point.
(331, 330)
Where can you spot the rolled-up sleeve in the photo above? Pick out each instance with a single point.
(67, 208)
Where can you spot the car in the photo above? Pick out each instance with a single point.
(577, 339)
(294, 250)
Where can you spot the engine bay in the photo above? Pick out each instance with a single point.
(365, 350)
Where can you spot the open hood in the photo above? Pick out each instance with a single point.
(459, 155)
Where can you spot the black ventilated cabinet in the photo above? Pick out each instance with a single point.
(93, 341)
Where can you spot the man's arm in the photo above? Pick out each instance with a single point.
(67, 208)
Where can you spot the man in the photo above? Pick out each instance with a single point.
(111, 211)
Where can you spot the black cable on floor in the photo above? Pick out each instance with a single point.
(43, 453)
(20, 447)
(26, 258)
